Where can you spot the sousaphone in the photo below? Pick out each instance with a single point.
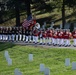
(37, 25)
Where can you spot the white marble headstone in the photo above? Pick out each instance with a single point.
(20, 73)
(47, 71)
(73, 65)
(30, 57)
(52, 24)
(44, 23)
(74, 25)
(9, 61)
(67, 26)
(61, 26)
(16, 71)
(42, 67)
(67, 61)
(43, 27)
(6, 54)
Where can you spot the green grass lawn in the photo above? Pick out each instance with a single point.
(52, 57)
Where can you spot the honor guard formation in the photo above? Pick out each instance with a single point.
(49, 36)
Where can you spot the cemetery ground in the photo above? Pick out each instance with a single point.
(53, 58)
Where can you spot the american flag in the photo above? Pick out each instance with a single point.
(27, 21)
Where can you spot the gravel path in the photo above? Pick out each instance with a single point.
(44, 46)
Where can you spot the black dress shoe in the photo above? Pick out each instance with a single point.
(26, 41)
(69, 45)
(59, 45)
(44, 44)
(66, 46)
(49, 44)
(54, 45)
(74, 45)
(40, 44)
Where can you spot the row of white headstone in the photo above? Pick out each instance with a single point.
(42, 66)
(67, 25)
(44, 69)
(67, 63)
(51, 25)
(47, 70)
(8, 59)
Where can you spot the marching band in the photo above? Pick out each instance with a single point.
(49, 36)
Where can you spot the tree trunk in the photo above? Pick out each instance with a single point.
(17, 13)
(71, 27)
(28, 7)
(1, 20)
(63, 14)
